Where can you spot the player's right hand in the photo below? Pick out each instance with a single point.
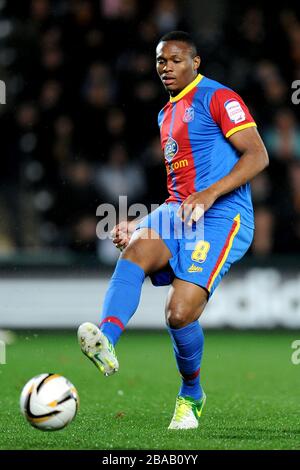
(121, 234)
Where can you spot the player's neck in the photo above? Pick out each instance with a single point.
(174, 93)
(190, 86)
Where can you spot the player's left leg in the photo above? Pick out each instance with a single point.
(185, 303)
(225, 242)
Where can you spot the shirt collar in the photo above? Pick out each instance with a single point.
(187, 89)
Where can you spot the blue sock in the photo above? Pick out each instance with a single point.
(188, 347)
(121, 299)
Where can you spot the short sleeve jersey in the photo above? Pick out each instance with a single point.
(195, 126)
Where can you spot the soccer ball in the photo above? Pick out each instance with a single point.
(49, 402)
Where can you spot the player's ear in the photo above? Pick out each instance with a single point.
(196, 61)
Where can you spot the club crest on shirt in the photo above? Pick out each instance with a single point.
(189, 114)
(171, 148)
(235, 111)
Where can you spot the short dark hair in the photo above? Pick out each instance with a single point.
(180, 36)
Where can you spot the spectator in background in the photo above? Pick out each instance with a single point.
(74, 209)
(63, 142)
(295, 244)
(40, 11)
(294, 185)
(148, 33)
(120, 177)
(261, 188)
(264, 232)
(83, 235)
(20, 143)
(122, 16)
(252, 34)
(289, 21)
(115, 126)
(286, 236)
(50, 100)
(167, 16)
(283, 137)
(273, 92)
(91, 112)
(155, 172)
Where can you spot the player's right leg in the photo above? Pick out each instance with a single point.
(146, 253)
(185, 303)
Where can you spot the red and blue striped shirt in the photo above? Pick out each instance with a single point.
(195, 126)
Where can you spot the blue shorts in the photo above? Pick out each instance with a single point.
(201, 254)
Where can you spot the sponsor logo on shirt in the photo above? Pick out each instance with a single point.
(177, 165)
(235, 111)
(189, 114)
(171, 148)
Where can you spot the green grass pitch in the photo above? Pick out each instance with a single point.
(251, 384)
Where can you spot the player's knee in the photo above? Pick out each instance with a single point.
(179, 314)
(134, 254)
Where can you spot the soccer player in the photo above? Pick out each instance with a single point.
(211, 150)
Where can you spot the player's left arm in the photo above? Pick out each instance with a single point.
(253, 159)
(230, 113)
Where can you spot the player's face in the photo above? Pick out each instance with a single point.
(175, 65)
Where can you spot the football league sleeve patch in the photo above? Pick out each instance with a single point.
(230, 112)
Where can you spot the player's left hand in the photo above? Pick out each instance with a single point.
(195, 205)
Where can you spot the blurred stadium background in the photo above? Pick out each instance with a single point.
(79, 129)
